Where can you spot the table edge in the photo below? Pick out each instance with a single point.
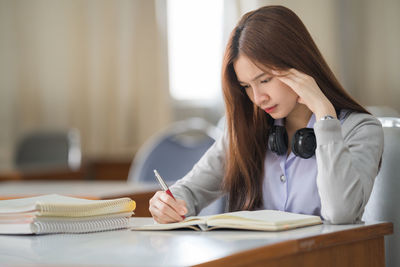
(290, 247)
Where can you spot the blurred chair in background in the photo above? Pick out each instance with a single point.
(221, 124)
(173, 152)
(385, 197)
(49, 150)
(383, 111)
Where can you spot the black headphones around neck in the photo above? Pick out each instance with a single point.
(303, 142)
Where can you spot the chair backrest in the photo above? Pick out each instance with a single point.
(383, 111)
(382, 205)
(173, 152)
(222, 123)
(49, 149)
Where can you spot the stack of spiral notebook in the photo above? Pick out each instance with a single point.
(62, 214)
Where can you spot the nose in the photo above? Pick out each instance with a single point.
(259, 97)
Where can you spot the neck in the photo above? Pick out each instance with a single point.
(298, 118)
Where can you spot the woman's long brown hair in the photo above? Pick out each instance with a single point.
(272, 37)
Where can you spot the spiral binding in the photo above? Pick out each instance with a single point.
(40, 227)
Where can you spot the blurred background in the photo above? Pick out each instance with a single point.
(117, 72)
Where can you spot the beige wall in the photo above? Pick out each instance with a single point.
(101, 66)
(359, 39)
(319, 16)
(378, 81)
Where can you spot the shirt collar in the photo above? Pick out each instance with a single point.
(312, 120)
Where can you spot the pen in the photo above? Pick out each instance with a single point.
(164, 186)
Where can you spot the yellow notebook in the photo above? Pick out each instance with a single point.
(261, 220)
(61, 214)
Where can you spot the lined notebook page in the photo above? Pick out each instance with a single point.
(62, 214)
(63, 206)
(271, 217)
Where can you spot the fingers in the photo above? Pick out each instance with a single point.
(161, 211)
(305, 87)
(183, 210)
(299, 74)
(291, 73)
(289, 81)
(295, 79)
(166, 209)
(288, 78)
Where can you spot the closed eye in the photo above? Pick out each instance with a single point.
(266, 80)
(245, 86)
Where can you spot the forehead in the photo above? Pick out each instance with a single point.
(246, 70)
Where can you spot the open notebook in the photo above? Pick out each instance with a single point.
(61, 214)
(261, 220)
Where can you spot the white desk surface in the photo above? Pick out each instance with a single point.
(73, 188)
(141, 248)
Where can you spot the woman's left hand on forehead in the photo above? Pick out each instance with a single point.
(305, 87)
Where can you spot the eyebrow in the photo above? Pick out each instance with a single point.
(255, 78)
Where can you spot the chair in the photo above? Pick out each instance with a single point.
(221, 124)
(49, 149)
(383, 111)
(382, 205)
(173, 152)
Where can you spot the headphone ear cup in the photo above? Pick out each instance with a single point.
(304, 143)
(278, 140)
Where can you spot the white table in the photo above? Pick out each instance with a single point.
(95, 189)
(187, 247)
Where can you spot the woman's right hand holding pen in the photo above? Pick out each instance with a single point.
(165, 209)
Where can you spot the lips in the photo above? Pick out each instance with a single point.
(270, 109)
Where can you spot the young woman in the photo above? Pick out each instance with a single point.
(295, 140)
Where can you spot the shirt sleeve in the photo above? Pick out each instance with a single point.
(348, 157)
(203, 184)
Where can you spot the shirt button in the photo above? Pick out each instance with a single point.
(282, 178)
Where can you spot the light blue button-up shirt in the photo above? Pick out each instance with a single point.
(290, 182)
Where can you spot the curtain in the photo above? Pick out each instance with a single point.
(96, 65)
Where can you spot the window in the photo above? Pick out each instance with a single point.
(195, 49)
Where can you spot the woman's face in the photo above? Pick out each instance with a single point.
(267, 92)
